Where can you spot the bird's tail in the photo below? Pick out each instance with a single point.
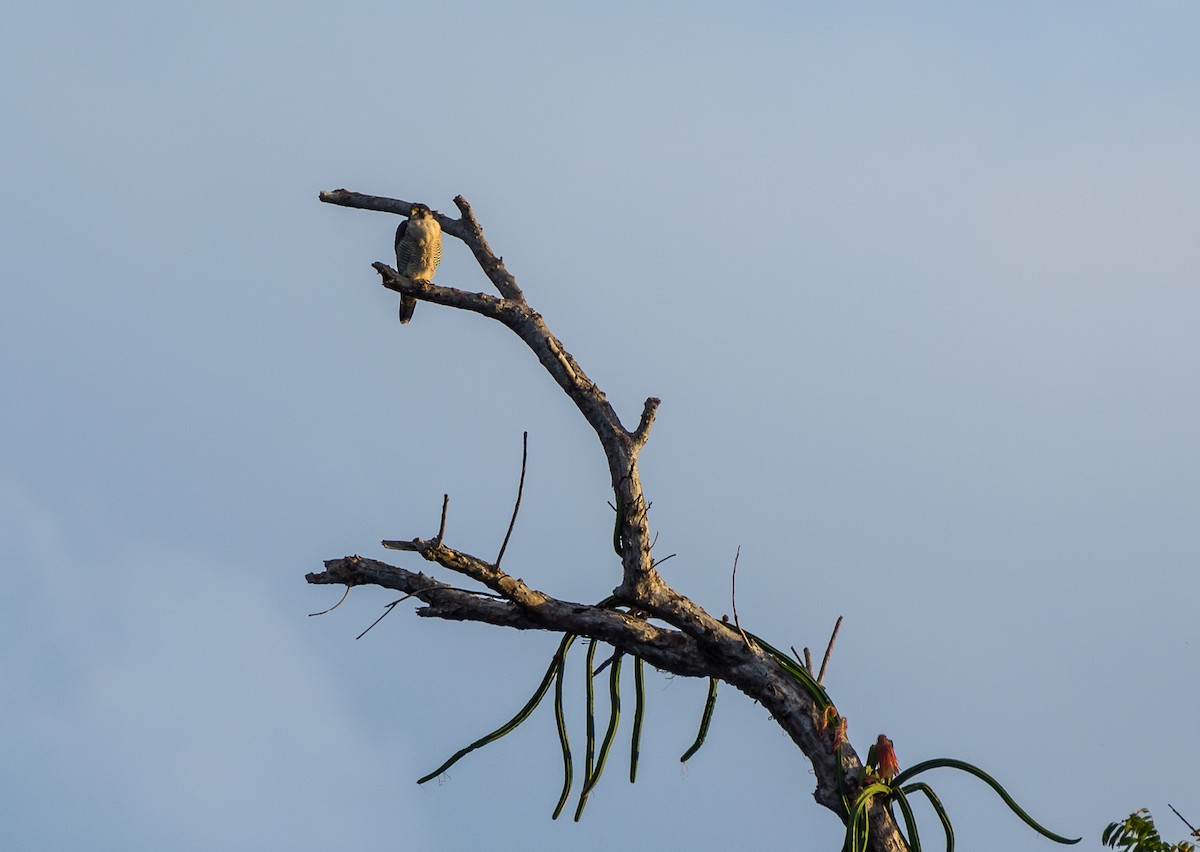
(407, 305)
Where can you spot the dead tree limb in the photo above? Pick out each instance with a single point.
(687, 640)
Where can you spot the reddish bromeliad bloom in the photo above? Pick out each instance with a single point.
(839, 733)
(885, 754)
(831, 720)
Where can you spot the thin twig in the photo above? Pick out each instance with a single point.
(389, 607)
(386, 610)
(658, 562)
(520, 490)
(1195, 833)
(733, 583)
(829, 650)
(808, 659)
(441, 536)
(345, 594)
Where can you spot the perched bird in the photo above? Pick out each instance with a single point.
(418, 252)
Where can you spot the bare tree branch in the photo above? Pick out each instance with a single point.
(620, 446)
(662, 626)
(663, 648)
(472, 566)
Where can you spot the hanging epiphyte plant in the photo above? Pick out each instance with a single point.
(594, 761)
(881, 777)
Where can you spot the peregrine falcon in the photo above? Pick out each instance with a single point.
(418, 252)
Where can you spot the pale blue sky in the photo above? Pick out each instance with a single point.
(916, 285)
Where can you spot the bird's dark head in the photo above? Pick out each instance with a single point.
(419, 211)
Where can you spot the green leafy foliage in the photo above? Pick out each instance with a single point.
(1138, 834)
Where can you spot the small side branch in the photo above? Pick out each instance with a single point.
(504, 311)
(477, 569)
(441, 536)
(470, 232)
(346, 198)
(360, 571)
(642, 433)
(828, 650)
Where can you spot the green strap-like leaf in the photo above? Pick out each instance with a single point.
(839, 778)
(614, 699)
(910, 822)
(971, 769)
(858, 827)
(936, 803)
(639, 699)
(560, 721)
(506, 728)
(709, 704)
(590, 751)
(819, 696)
